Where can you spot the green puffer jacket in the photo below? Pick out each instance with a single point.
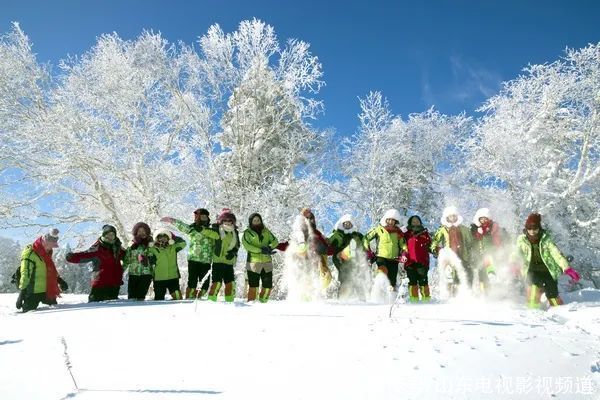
(33, 271)
(165, 260)
(441, 239)
(253, 242)
(339, 240)
(227, 245)
(201, 246)
(131, 261)
(389, 245)
(551, 255)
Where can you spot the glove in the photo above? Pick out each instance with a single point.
(574, 275)
(266, 250)
(231, 254)
(167, 220)
(282, 246)
(371, 257)
(62, 284)
(20, 299)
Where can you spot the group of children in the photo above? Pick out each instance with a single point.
(213, 251)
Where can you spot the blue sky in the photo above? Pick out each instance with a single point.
(451, 54)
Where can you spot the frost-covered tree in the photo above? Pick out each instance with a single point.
(10, 255)
(137, 129)
(540, 143)
(397, 163)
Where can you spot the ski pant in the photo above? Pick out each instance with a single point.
(196, 272)
(543, 279)
(31, 301)
(160, 288)
(417, 274)
(390, 267)
(254, 279)
(137, 286)
(222, 273)
(104, 293)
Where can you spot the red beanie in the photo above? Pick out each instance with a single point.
(534, 221)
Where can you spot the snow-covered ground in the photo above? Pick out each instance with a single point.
(177, 350)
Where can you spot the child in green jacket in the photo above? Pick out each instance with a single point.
(259, 242)
(166, 271)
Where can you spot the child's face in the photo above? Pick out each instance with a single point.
(162, 240)
(109, 237)
(452, 218)
(390, 222)
(347, 225)
(141, 233)
(256, 221)
(484, 220)
(415, 222)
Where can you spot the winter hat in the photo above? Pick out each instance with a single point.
(451, 210)
(393, 214)
(139, 225)
(51, 238)
(482, 212)
(166, 233)
(534, 220)
(226, 214)
(107, 229)
(201, 211)
(339, 225)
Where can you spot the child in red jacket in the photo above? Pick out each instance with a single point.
(105, 255)
(417, 259)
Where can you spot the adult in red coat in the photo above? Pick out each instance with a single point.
(105, 255)
(417, 259)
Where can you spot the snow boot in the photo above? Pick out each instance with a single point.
(190, 293)
(229, 292)
(555, 301)
(413, 293)
(214, 291)
(425, 294)
(534, 294)
(202, 294)
(176, 295)
(252, 293)
(264, 295)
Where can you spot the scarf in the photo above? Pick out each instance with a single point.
(392, 229)
(455, 239)
(52, 290)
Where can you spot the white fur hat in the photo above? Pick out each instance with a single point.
(391, 213)
(345, 218)
(482, 212)
(165, 232)
(451, 210)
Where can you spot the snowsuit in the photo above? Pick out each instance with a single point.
(137, 261)
(259, 265)
(390, 245)
(200, 256)
(542, 264)
(224, 259)
(166, 271)
(39, 281)
(107, 276)
(487, 239)
(458, 238)
(340, 240)
(417, 263)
